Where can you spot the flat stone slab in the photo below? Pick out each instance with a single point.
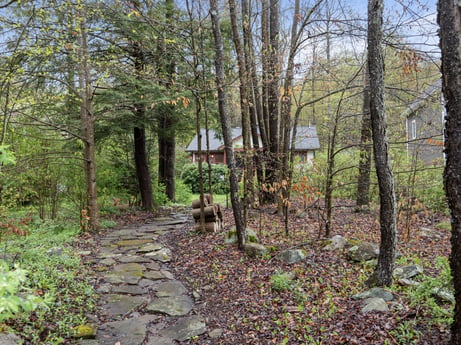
(151, 247)
(162, 255)
(133, 258)
(170, 288)
(157, 340)
(122, 304)
(127, 332)
(122, 278)
(185, 328)
(132, 243)
(153, 275)
(132, 267)
(128, 290)
(173, 306)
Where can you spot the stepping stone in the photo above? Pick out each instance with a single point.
(173, 306)
(128, 290)
(153, 275)
(151, 247)
(162, 255)
(131, 243)
(154, 266)
(122, 304)
(160, 341)
(127, 332)
(122, 278)
(132, 268)
(170, 288)
(133, 258)
(107, 262)
(185, 328)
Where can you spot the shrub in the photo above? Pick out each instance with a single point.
(219, 181)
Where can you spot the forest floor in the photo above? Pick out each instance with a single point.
(240, 300)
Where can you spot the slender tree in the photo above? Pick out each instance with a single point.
(87, 116)
(449, 19)
(388, 211)
(225, 124)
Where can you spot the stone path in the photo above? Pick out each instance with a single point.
(141, 301)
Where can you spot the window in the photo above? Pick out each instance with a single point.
(413, 129)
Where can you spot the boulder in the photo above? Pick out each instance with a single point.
(337, 242)
(444, 295)
(292, 256)
(407, 272)
(363, 252)
(255, 249)
(231, 236)
(375, 293)
(375, 304)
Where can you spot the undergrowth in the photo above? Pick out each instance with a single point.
(50, 291)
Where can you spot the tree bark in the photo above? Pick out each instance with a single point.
(139, 135)
(87, 125)
(382, 276)
(166, 120)
(225, 124)
(449, 19)
(363, 181)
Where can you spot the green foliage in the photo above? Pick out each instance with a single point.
(423, 294)
(57, 275)
(183, 193)
(219, 180)
(11, 303)
(280, 281)
(6, 157)
(406, 333)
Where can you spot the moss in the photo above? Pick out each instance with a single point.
(86, 331)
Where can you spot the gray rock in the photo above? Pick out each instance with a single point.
(337, 242)
(173, 306)
(375, 293)
(444, 295)
(408, 282)
(133, 258)
(107, 262)
(157, 340)
(170, 288)
(185, 328)
(152, 247)
(127, 332)
(292, 256)
(167, 274)
(363, 252)
(128, 290)
(255, 249)
(162, 255)
(9, 339)
(55, 251)
(407, 272)
(215, 333)
(375, 304)
(153, 275)
(122, 304)
(231, 236)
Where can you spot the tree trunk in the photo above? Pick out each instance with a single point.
(225, 124)
(142, 167)
(382, 276)
(449, 19)
(166, 121)
(139, 135)
(363, 183)
(248, 181)
(87, 123)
